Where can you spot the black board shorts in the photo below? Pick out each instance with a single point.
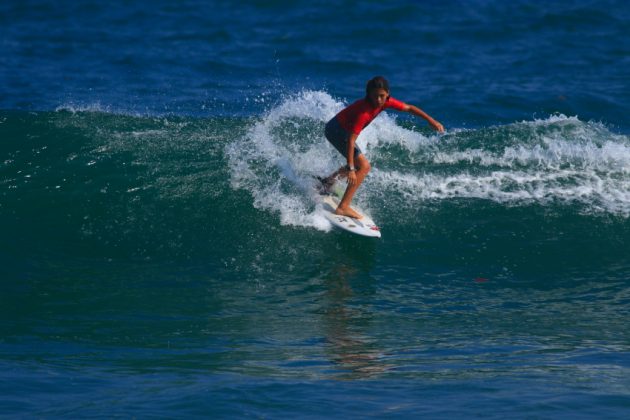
(338, 137)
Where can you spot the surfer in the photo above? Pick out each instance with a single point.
(342, 132)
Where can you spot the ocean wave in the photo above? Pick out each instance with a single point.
(558, 159)
(129, 180)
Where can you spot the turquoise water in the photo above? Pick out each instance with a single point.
(162, 255)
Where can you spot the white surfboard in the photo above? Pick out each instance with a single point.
(364, 226)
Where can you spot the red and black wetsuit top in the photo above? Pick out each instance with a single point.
(357, 116)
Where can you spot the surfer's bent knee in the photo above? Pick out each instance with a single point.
(364, 164)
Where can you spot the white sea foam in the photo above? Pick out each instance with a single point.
(276, 159)
(555, 160)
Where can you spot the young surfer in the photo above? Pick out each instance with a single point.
(342, 132)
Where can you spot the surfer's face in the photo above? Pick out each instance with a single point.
(378, 97)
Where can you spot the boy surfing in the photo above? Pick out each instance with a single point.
(344, 128)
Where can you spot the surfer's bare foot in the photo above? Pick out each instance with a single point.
(349, 212)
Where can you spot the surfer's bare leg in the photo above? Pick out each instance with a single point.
(344, 209)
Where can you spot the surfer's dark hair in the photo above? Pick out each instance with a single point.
(378, 82)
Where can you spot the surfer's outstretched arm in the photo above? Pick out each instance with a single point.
(420, 113)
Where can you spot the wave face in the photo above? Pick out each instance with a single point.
(145, 187)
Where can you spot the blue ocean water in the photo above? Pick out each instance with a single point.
(161, 254)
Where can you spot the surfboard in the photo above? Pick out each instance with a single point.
(364, 226)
